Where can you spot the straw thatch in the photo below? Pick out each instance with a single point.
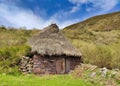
(50, 41)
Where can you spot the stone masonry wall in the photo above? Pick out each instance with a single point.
(44, 65)
(26, 65)
(74, 62)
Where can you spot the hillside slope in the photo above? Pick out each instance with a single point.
(103, 29)
(13, 44)
(14, 36)
(99, 23)
(98, 38)
(99, 44)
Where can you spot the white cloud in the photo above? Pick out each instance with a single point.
(78, 4)
(75, 8)
(15, 16)
(19, 17)
(79, 1)
(12, 15)
(105, 5)
(102, 5)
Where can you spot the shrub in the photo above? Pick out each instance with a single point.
(10, 57)
(102, 56)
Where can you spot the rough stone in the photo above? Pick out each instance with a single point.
(104, 71)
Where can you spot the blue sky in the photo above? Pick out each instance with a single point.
(41, 13)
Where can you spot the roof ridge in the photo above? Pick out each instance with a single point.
(53, 28)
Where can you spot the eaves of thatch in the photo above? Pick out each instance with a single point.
(50, 41)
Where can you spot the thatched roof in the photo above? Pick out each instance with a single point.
(50, 41)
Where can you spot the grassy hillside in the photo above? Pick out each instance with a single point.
(14, 36)
(104, 22)
(98, 38)
(13, 44)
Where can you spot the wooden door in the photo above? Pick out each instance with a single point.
(67, 65)
(60, 65)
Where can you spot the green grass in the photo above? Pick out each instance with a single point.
(97, 38)
(106, 22)
(31, 80)
(84, 72)
(13, 45)
(10, 57)
(98, 48)
(13, 37)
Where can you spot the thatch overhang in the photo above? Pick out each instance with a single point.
(50, 41)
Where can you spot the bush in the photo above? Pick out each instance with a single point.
(10, 57)
(102, 56)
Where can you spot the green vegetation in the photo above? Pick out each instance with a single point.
(98, 45)
(31, 80)
(98, 48)
(10, 57)
(104, 22)
(93, 74)
(13, 44)
(15, 36)
(98, 38)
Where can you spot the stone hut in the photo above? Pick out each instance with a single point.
(52, 52)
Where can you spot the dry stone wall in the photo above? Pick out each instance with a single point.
(44, 65)
(74, 62)
(26, 65)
